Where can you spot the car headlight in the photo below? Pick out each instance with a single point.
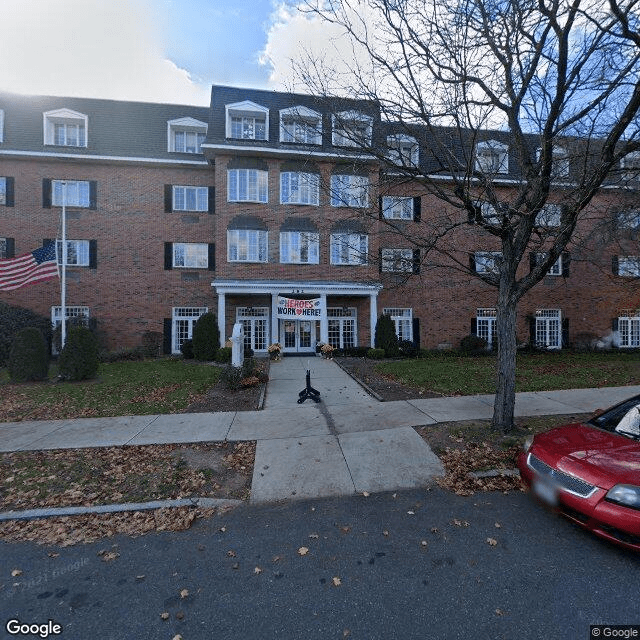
(527, 444)
(625, 494)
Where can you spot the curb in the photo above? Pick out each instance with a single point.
(31, 514)
(366, 387)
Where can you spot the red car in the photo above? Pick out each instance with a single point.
(590, 472)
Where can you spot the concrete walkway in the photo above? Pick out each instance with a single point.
(347, 443)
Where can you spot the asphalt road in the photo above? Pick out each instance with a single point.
(418, 565)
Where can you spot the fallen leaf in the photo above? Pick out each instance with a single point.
(424, 543)
(303, 551)
(16, 572)
(164, 615)
(314, 536)
(411, 513)
(276, 558)
(459, 523)
(434, 530)
(177, 637)
(110, 555)
(257, 571)
(53, 555)
(184, 593)
(492, 541)
(385, 533)
(231, 553)
(499, 612)
(497, 525)
(180, 615)
(365, 494)
(336, 581)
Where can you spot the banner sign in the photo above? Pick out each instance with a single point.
(291, 309)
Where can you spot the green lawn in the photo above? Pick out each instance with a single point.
(453, 375)
(121, 388)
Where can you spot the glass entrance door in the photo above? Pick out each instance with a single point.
(298, 335)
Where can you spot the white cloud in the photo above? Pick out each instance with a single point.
(91, 48)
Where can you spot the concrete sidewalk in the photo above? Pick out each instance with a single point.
(349, 442)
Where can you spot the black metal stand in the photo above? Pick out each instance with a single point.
(309, 391)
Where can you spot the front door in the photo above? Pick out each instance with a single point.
(298, 335)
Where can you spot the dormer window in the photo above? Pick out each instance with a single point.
(65, 128)
(351, 129)
(630, 165)
(492, 157)
(403, 150)
(300, 125)
(560, 162)
(186, 135)
(247, 121)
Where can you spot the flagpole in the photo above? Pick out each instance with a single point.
(63, 279)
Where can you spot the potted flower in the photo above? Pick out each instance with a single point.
(327, 351)
(274, 350)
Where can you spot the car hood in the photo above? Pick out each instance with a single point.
(597, 456)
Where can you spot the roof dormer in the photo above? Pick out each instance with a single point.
(185, 135)
(247, 121)
(65, 128)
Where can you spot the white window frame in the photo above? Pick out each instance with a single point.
(548, 330)
(71, 312)
(489, 213)
(3, 248)
(631, 162)
(486, 261)
(78, 193)
(348, 190)
(252, 115)
(629, 266)
(492, 157)
(629, 331)
(397, 208)
(351, 129)
(186, 127)
(183, 319)
(486, 319)
(247, 245)
(190, 255)
(560, 165)
(556, 268)
(397, 260)
(349, 249)
(343, 322)
(3, 190)
(247, 185)
(299, 247)
(403, 150)
(256, 327)
(629, 219)
(188, 198)
(549, 216)
(298, 187)
(402, 320)
(65, 117)
(77, 253)
(300, 125)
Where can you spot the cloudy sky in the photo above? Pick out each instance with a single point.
(150, 50)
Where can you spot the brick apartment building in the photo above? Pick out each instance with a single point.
(262, 200)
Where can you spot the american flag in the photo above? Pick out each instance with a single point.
(28, 268)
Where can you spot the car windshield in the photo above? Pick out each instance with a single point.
(623, 419)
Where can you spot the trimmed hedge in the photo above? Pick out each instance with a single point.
(29, 356)
(375, 354)
(206, 337)
(385, 336)
(79, 357)
(12, 320)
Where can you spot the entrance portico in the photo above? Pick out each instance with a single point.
(297, 329)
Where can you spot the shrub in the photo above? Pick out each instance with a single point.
(356, 352)
(375, 354)
(121, 355)
(232, 377)
(187, 349)
(223, 355)
(152, 343)
(407, 349)
(29, 356)
(472, 345)
(385, 336)
(12, 319)
(206, 337)
(79, 357)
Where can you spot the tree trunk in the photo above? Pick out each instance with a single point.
(506, 365)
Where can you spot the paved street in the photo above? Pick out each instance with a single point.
(245, 577)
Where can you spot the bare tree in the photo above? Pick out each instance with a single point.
(557, 81)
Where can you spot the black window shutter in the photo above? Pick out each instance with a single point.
(417, 209)
(416, 333)
(212, 257)
(614, 324)
(566, 261)
(9, 196)
(380, 260)
(614, 265)
(93, 194)
(11, 247)
(532, 331)
(46, 241)
(168, 255)
(46, 193)
(472, 262)
(93, 324)
(166, 336)
(474, 326)
(533, 261)
(380, 212)
(93, 254)
(565, 332)
(416, 261)
(212, 200)
(168, 198)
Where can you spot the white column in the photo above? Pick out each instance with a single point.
(324, 321)
(373, 315)
(221, 318)
(275, 325)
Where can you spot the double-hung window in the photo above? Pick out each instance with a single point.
(77, 193)
(299, 247)
(247, 185)
(349, 191)
(629, 328)
(349, 248)
(65, 128)
(351, 129)
(191, 255)
(3, 191)
(247, 121)
(397, 208)
(188, 141)
(486, 325)
(299, 188)
(556, 269)
(549, 216)
(190, 198)
(629, 266)
(77, 253)
(397, 260)
(629, 219)
(492, 157)
(548, 329)
(487, 261)
(300, 125)
(403, 150)
(69, 135)
(246, 245)
(402, 320)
